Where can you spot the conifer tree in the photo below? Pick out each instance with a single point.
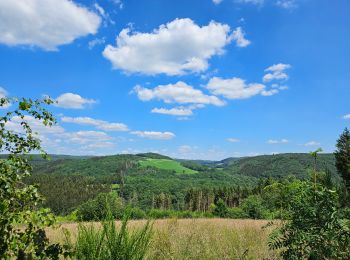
(342, 157)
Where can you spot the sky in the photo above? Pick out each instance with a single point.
(195, 79)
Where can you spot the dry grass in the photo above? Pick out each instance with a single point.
(198, 238)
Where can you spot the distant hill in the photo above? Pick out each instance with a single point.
(276, 166)
(153, 156)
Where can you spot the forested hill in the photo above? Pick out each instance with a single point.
(276, 166)
(68, 181)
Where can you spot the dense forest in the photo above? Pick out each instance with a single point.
(153, 181)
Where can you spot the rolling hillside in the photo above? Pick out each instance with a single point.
(276, 166)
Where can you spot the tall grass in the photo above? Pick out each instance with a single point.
(110, 242)
(179, 239)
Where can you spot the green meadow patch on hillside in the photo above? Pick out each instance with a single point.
(166, 164)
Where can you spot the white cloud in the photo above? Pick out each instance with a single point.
(100, 124)
(232, 140)
(35, 124)
(3, 94)
(174, 48)
(270, 92)
(238, 36)
(46, 24)
(346, 116)
(176, 111)
(312, 143)
(276, 72)
(234, 88)
(287, 4)
(73, 101)
(154, 135)
(100, 145)
(119, 3)
(177, 93)
(83, 137)
(100, 10)
(95, 42)
(282, 141)
(217, 1)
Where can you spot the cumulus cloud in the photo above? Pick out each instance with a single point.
(232, 140)
(100, 124)
(312, 143)
(346, 116)
(276, 72)
(56, 139)
(238, 36)
(179, 92)
(73, 101)
(174, 48)
(154, 135)
(176, 111)
(45, 24)
(37, 125)
(83, 137)
(234, 88)
(273, 141)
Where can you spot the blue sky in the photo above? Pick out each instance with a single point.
(191, 79)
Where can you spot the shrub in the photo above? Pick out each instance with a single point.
(159, 213)
(100, 207)
(315, 228)
(235, 213)
(253, 207)
(220, 209)
(136, 213)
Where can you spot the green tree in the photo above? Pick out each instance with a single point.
(21, 222)
(314, 228)
(99, 208)
(342, 157)
(220, 209)
(253, 207)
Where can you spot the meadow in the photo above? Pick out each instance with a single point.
(166, 164)
(196, 238)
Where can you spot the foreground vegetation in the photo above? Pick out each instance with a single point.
(195, 238)
(312, 216)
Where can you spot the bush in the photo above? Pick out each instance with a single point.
(99, 208)
(220, 209)
(136, 213)
(235, 213)
(159, 213)
(253, 207)
(315, 228)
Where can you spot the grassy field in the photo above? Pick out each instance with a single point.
(198, 238)
(166, 164)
